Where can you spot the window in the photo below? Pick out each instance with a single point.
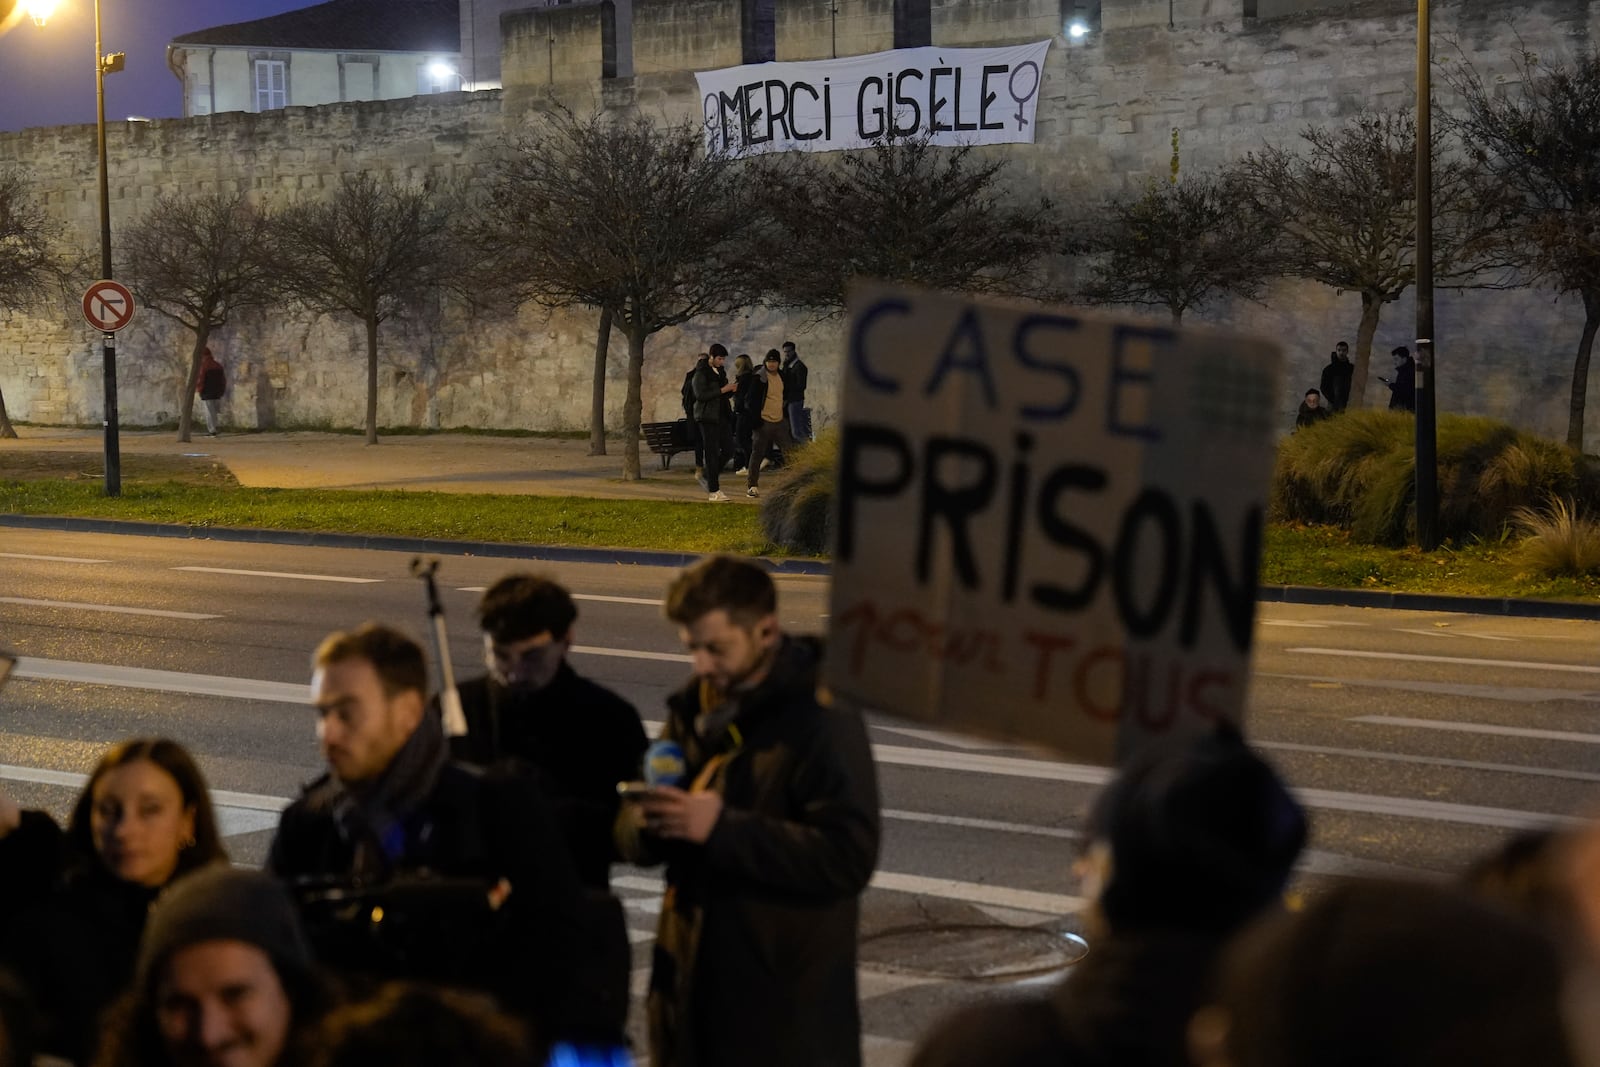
(913, 24)
(272, 84)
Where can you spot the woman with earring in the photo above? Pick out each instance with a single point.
(73, 903)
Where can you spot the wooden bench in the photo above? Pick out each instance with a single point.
(667, 439)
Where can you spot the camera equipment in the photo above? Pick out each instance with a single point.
(455, 720)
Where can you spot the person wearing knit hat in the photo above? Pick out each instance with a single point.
(224, 978)
(1193, 839)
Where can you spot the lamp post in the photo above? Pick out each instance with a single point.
(40, 11)
(1427, 497)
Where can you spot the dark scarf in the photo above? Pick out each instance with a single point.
(373, 816)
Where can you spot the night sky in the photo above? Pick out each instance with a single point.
(47, 75)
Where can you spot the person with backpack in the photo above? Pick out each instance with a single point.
(211, 383)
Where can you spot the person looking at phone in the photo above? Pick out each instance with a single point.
(769, 842)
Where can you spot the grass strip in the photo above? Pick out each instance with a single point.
(542, 520)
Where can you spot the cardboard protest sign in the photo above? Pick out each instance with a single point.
(1049, 523)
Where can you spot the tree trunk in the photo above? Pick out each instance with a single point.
(6, 429)
(633, 405)
(1580, 371)
(1371, 309)
(372, 379)
(597, 403)
(186, 399)
(1177, 316)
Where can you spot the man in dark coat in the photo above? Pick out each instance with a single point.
(1336, 378)
(532, 709)
(795, 374)
(1191, 842)
(713, 413)
(466, 870)
(687, 394)
(768, 845)
(1403, 387)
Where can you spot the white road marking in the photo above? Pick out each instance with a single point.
(1479, 728)
(628, 653)
(50, 559)
(72, 605)
(1407, 657)
(1428, 761)
(936, 819)
(49, 670)
(595, 597)
(1521, 694)
(944, 888)
(1295, 624)
(940, 737)
(283, 574)
(1450, 633)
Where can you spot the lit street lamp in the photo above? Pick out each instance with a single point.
(40, 11)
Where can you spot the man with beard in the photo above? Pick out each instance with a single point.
(768, 844)
(410, 865)
(533, 710)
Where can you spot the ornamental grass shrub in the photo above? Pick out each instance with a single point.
(1357, 471)
(799, 514)
(1558, 540)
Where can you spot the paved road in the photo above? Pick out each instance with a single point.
(1418, 740)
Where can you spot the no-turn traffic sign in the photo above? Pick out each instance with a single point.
(108, 306)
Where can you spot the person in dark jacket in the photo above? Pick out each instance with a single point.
(768, 845)
(687, 393)
(744, 423)
(1207, 815)
(224, 977)
(713, 412)
(534, 711)
(794, 400)
(766, 406)
(1336, 378)
(467, 869)
(1311, 410)
(74, 904)
(1403, 386)
(211, 383)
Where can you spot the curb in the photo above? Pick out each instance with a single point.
(421, 545)
(1267, 594)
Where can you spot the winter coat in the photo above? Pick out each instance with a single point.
(711, 404)
(70, 933)
(1403, 390)
(1128, 1004)
(744, 421)
(578, 738)
(470, 830)
(755, 958)
(795, 374)
(758, 393)
(212, 382)
(1310, 416)
(1336, 378)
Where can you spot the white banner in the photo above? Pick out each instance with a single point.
(956, 95)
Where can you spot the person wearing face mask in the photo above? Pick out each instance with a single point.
(408, 864)
(769, 842)
(74, 903)
(532, 710)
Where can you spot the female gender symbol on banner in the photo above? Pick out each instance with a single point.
(1023, 98)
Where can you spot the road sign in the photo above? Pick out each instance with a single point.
(108, 306)
(1048, 522)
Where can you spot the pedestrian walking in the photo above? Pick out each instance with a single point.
(211, 383)
(1403, 386)
(1311, 410)
(768, 844)
(533, 711)
(766, 404)
(796, 373)
(224, 977)
(694, 426)
(713, 413)
(1336, 377)
(74, 904)
(467, 868)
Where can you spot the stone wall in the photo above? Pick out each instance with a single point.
(1227, 82)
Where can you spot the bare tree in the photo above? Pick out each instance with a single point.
(1180, 244)
(904, 209)
(1537, 145)
(1347, 207)
(621, 215)
(372, 250)
(198, 260)
(31, 263)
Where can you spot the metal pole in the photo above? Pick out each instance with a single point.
(108, 341)
(1427, 454)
